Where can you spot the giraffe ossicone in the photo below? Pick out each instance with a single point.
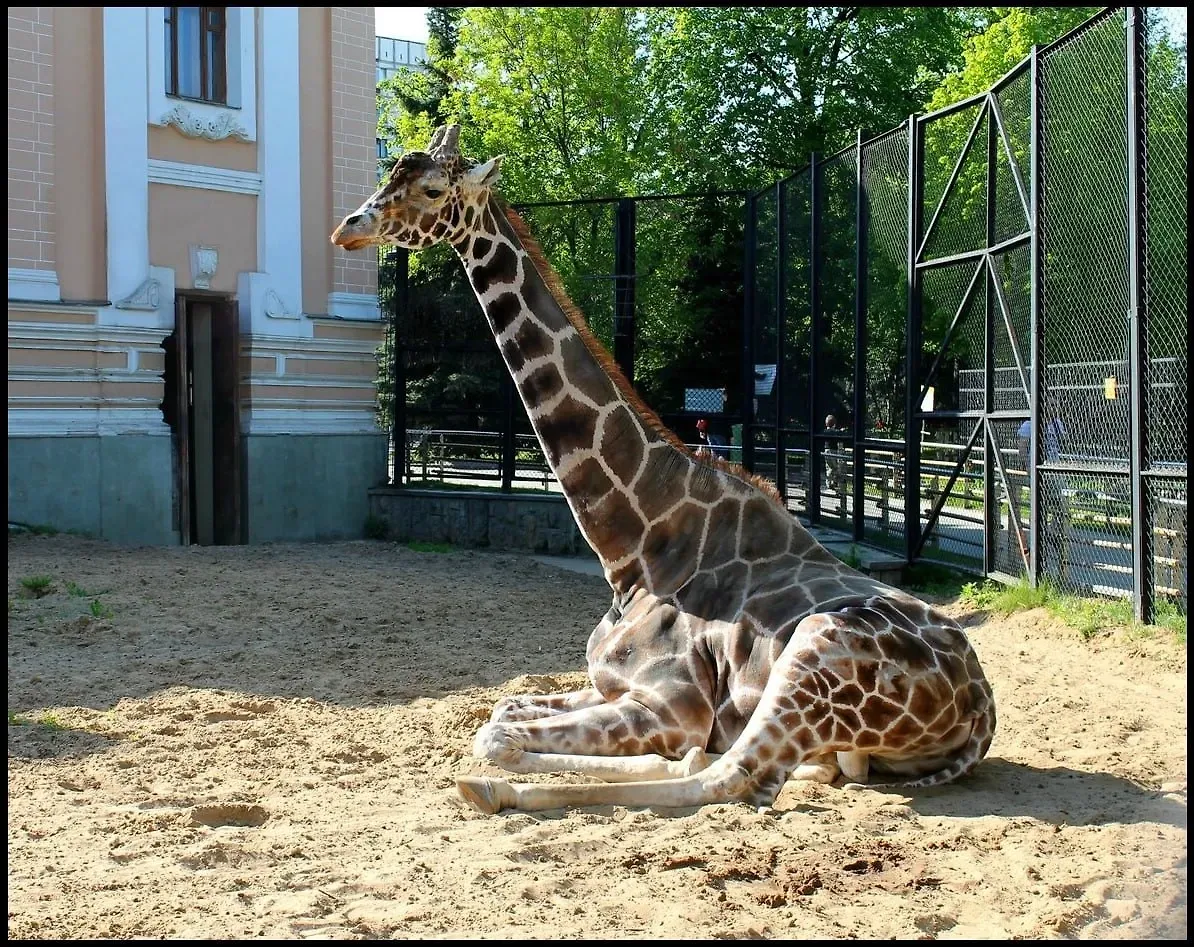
(737, 651)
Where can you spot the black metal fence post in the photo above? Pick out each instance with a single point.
(1142, 532)
(400, 306)
(912, 351)
(624, 286)
(751, 237)
(1036, 328)
(861, 224)
(814, 285)
(990, 444)
(781, 326)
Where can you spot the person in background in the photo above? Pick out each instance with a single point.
(711, 444)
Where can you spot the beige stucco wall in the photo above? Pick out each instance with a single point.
(182, 216)
(315, 167)
(168, 144)
(31, 209)
(354, 137)
(79, 134)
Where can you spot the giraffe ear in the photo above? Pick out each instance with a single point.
(487, 174)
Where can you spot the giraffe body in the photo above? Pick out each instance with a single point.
(737, 651)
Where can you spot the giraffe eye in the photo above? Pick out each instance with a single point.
(433, 193)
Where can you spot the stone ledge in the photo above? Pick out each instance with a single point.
(513, 522)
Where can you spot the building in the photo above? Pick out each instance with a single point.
(394, 55)
(190, 359)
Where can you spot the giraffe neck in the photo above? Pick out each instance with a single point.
(619, 470)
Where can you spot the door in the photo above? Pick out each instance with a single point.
(205, 396)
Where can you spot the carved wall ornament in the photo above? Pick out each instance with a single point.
(275, 308)
(216, 128)
(204, 261)
(145, 297)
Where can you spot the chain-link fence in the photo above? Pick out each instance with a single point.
(983, 355)
(962, 340)
(659, 281)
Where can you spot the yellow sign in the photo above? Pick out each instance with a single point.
(1109, 388)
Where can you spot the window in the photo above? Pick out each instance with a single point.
(196, 53)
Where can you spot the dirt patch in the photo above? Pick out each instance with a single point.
(262, 742)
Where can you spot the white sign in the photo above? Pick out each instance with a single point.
(764, 379)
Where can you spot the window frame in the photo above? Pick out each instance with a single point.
(218, 81)
(237, 117)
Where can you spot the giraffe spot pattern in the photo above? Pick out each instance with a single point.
(670, 548)
(621, 444)
(569, 426)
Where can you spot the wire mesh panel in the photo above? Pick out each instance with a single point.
(885, 182)
(688, 304)
(797, 270)
(1084, 241)
(833, 386)
(885, 191)
(765, 348)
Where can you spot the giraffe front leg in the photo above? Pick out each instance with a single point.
(617, 741)
(537, 706)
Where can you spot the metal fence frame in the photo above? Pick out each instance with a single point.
(1031, 535)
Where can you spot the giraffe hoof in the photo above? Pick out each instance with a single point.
(481, 793)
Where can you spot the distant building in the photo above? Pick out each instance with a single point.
(190, 360)
(394, 55)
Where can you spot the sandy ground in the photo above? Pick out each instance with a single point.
(262, 741)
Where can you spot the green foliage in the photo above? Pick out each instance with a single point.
(75, 590)
(16, 720)
(376, 527)
(99, 610)
(37, 586)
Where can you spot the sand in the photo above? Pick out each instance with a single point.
(262, 742)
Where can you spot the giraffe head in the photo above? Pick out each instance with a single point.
(430, 196)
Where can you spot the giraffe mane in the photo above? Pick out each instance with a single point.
(556, 287)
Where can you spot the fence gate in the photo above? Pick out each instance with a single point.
(971, 295)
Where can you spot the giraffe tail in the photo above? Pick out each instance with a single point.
(968, 755)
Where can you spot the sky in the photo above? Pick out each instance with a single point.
(402, 22)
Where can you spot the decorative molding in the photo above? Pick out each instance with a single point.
(302, 420)
(90, 335)
(146, 297)
(213, 127)
(280, 249)
(204, 261)
(209, 178)
(99, 421)
(361, 306)
(268, 308)
(276, 309)
(236, 120)
(40, 285)
(126, 151)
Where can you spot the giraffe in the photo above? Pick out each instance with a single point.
(737, 651)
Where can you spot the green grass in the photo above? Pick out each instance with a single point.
(50, 722)
(99, 609)
(38, 585)
(418, 546)
(77, 591)
(850, 557)
(930, 578)
(1089, 616)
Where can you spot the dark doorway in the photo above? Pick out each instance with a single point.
(202, 407)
